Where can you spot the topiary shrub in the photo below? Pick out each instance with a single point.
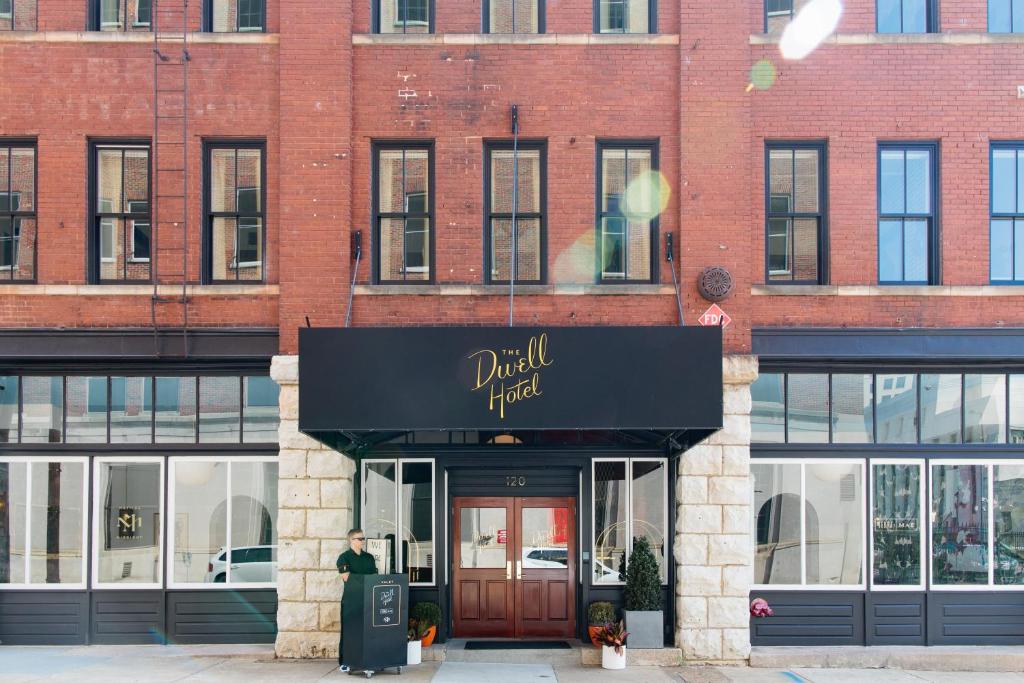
(643, 579)
(427, 613)
(600, 613)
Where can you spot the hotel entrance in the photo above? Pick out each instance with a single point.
(514, 567)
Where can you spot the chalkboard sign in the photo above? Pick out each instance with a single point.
(387, 605)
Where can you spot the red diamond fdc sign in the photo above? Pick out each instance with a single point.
(715, 316)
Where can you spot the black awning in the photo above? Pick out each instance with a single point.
(359, 387)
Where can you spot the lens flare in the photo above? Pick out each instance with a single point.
(762, 75)
(646, 196)
(812, 25)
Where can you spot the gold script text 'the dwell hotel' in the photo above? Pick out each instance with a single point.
(509, 374)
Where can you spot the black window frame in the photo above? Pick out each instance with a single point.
(485, 20)
(988, 19)
(934, 254)
(11, 144)
(376, 22)
(821, 146)
(490, 145)
(652, 18)
(95, 17)
(94, 251)
(377, 147)
(766, 14)
(208, 216)
(208, 17)
(603, 145)
(931, 19)
(1017, 146)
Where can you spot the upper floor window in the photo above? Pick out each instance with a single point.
(1006, 16)
(513, 16)
(907, 216)
(17, 15)
(120, 231)
(1007, 219)
(624, 16)
(17, 211)
(778, 13)
(795, 244)
(234, 235)
(403, 208)
(403, 16)
(120, 15)
(235, 16)
(627, 211)
(515, 212)
(907, 16)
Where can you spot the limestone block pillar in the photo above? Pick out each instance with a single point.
(314, 514)
(713, 545)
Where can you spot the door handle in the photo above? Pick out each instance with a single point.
(519, 569)
(508, 570)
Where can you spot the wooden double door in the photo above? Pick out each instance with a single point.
(514, 567)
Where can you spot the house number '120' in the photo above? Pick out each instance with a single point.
(515, 481)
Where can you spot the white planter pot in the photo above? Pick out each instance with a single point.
(415, 653)
(610, 660)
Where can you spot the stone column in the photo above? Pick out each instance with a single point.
(713, 547)
(314, 514)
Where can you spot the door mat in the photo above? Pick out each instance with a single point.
(517, 645)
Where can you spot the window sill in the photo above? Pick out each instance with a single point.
(258, 289)
(887, 290)
(520, 290)
(905, 39)
(514, 39)
(132, 37)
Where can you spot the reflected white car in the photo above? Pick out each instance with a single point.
(546, 558)
(249, 564)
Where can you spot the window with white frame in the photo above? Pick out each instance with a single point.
(223, 512)
(42, 522)
(897, 524)
(630, 500)
(809, 523)
(398, 516)
(128, 501)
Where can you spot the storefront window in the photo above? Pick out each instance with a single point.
(86, 410)
(768, 410)
(984, 408)
(260, 413)
(200, 519)
(959, 524)
(1017, 409)
(852, 409)
(13, 518)
(219, 412)
(940, 408)
(42, 409)
(8, 409)
(777, 523)
(57, 520)
(807, 411)
(896, 524)
(649, 505)
(1008, 490)
(253, 522)
(479, 544)
(175, 409)
(131, 409)
(896, 408)
(128, 504)
(610, 526)
(383, 507)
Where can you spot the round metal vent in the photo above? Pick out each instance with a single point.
(715, 283)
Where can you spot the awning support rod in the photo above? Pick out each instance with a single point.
(356, 251)
(675, 280)
(515, 207)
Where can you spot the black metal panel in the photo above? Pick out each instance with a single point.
(810, 618)
(222, 616)
(981, 618)
(916, 346)
(127, 617)
(52, 617)
(514, 481)
(895, 618)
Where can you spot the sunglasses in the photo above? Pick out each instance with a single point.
(358, 538)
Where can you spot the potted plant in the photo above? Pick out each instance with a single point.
(613, 645)
(415, 644)
(429, 615)
(598, 615)
(643, 613)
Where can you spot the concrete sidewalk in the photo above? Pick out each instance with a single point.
(256, 664)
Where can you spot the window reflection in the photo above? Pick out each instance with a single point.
(852, 409)
(42, 409)
(200, 520)
(807, 411)
(175, 409)
(417, 521)
(86, 409)
(648, 501)
(984, 408)
(131, 409)
(1008, 484)
(253, 529)
(777, 523)
(13, 511)
(834, 523)
(481, 546)
(896, 522)
(545, 538)
(610, 526)
(896, 408)
(128, 506)
(959, 524)
(8, 409)
(940, 408)
(380, 511)
(768, 411)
